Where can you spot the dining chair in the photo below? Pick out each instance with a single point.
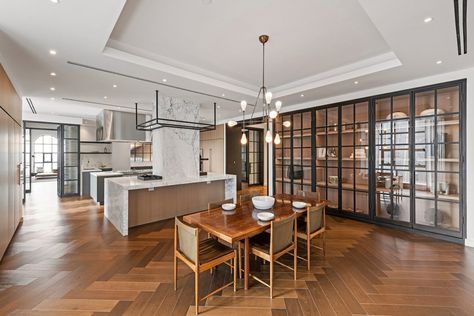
(200, 256)
(270, 247)
(313, 226)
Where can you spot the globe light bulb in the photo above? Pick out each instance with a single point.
(243, 105)
(268, 137)
(268, 97)
(277, 139)
(278, 105)
(231, 123)
(273, 114)
(243, 140)
(287, 123)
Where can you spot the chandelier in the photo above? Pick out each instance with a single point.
(264, 97)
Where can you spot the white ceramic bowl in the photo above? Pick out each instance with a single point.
(298, 204)
(263, 202)
(265, 216)
(228, 206)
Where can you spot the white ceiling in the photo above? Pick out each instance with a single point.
(317, 48)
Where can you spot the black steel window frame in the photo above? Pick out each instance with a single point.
(457, 237)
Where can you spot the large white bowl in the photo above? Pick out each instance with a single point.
(263, 202)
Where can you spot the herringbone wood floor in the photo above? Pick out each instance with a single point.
(66, 259)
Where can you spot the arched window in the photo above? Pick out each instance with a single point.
(45, 151)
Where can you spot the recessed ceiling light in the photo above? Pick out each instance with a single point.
(164, 80)
(439, 62)
(428, 19)
(302, 95)
(52, 52)
(223, 94)
(55, 1)
(105, 97)
(52, 99)
(356, 82)
(218, 106)
(53, 74)
(52, 89)
(114, 86)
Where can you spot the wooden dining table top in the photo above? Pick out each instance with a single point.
(242, 222)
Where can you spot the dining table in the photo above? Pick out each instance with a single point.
(242, 223)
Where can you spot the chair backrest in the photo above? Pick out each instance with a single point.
(188, 238)
(217, 204)
(281, 234)
(316, 218)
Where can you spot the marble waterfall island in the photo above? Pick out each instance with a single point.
(131, 202)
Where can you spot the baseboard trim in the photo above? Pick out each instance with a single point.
(469, 243)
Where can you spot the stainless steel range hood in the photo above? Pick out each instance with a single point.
(115, 126)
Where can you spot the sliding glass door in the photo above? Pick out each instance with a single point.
(69, 160)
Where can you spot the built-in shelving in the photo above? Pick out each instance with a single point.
(395, 158)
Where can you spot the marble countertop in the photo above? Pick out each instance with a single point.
(106, 173)
(133, 183)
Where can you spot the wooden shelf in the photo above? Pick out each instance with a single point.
(295, 158)
(95, 153)
(296, 136)
(94, 142)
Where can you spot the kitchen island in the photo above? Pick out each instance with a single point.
(131, 202)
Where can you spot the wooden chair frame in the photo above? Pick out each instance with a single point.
(309, 236)
(273, 257)
(198, 268)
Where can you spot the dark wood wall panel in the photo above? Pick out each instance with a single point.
(10, 161)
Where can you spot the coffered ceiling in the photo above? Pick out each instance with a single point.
(317, 49)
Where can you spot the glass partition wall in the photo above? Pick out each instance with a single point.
(394, 159)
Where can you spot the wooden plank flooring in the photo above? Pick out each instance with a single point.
(66, 259)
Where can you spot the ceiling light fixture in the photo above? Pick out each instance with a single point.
(428, 19)
(164, 80)
(52, 89)
(114, 86)
(52, 99)
(439, 62)
(223, 95)
(53, 74)
(356, 82)
(55, 1)
(105, 97)
(231, 123)
(302, 95)
(52, 52)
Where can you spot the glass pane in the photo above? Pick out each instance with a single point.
(347, 156)
(401, 131)
(71, 131)
(383, 109)
(362, 202)
(321, 137)
(348, 178)
(448, 216)
(448, 128)
(448, 157)
(362, 134)
(70, 173)
(347, 200)
(360, 161)
(401, 157)
(307, 120)
(424, 129)
(425, 184)
(383, 157)
(70, 187)
(332, 177)
(332, 197)
(383, 204)
(362, 179)
(448, 100)
(71, 145)
(424, 157)
(332, 118)
(321, 118)
(448, 186)
(321, 176)
(424, 103)
(297, 121)
(382, 133)
(347, 135)
(400, 208)
(362, 112)
(347, 114)
(401, 106)
(425, 211)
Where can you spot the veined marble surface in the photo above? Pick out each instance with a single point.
(176, 151)
(116, 193)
